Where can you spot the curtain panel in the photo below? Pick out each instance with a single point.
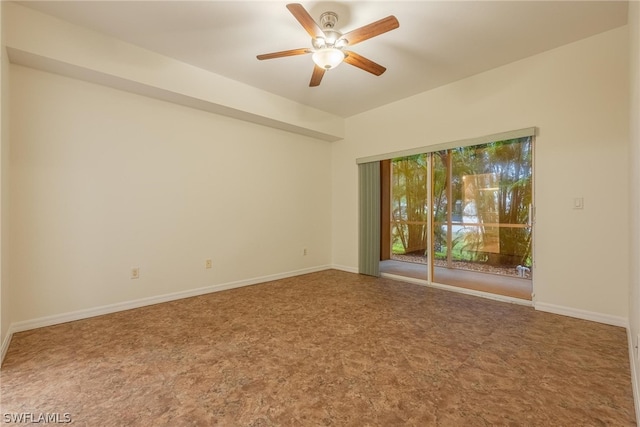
(369, 213)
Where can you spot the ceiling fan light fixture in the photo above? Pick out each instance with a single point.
(332, 36)
(318, 42)
(329, 45)
(341, 43)
(328, 57)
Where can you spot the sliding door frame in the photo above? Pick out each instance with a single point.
(384, 160)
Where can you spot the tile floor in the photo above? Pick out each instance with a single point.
(324, 349)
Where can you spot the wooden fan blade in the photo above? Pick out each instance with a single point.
(363, 63)
(282, 54)
(303, 17)
(374, 29)
(316, 77)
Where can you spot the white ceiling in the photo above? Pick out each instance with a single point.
(438, 42)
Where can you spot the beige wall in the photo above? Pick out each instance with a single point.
(634, 284)
(5, 315)
(577, 96)
(40, 41)
(104, 180)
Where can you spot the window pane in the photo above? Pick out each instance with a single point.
(409, 209)
(486, 225)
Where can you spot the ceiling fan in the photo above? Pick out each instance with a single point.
(329, 45)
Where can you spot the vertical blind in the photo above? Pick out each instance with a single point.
(369, 212)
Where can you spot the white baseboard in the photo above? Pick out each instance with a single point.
(345, 268)
(128, 305)
(5, 344)
(634, 375)
(582, 314)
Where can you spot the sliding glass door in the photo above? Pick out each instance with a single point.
(410, 215)
(482, 204)
(465, 213)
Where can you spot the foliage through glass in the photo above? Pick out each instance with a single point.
(481, 204)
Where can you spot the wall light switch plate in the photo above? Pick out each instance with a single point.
(578, 203)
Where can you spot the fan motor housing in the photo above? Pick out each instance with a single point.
(328, 20)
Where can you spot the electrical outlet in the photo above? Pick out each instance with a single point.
(135, 272)
(304, 252)
(208, 263)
